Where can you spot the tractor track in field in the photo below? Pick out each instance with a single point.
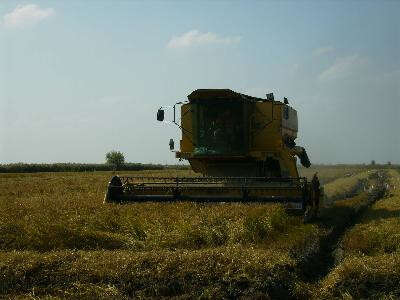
(318, 265)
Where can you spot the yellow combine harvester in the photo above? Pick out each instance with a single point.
(245, 148)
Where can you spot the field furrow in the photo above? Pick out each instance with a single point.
(368, 257)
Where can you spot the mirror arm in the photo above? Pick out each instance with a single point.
(184, 131)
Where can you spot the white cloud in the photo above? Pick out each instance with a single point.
(343, 67)
(195, 37)
(323, 50)
(26, 15)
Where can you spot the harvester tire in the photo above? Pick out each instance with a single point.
(307, 215)
(310, 214)
(114, 190)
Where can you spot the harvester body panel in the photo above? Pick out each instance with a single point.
(230, 134)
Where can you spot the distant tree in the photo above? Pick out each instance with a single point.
(389, 163)
(115, 158)
(372, 162)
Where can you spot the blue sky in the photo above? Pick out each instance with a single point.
(80, 78)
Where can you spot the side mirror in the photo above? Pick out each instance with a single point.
(171, 144)
(160, 115)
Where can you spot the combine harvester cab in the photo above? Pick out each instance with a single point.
(243, 146)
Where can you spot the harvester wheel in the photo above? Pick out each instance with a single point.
(307, 214)
(312, 208)
(310, 213)
(114, 190)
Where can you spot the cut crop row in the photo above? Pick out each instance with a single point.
(368, 258)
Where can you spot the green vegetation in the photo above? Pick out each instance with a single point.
(58, 239)
(73, 167)
(116, 159)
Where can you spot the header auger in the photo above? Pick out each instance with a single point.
(245, 148)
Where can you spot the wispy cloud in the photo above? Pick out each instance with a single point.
(26, 15)
(343, 67)
(323, 50)
(195, 38)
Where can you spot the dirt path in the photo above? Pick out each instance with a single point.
(335, 221)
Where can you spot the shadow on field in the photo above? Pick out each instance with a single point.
(336, 220)
(381, 213)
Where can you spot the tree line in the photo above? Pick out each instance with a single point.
(74, 167)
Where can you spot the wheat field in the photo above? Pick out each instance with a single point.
(57, 239)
